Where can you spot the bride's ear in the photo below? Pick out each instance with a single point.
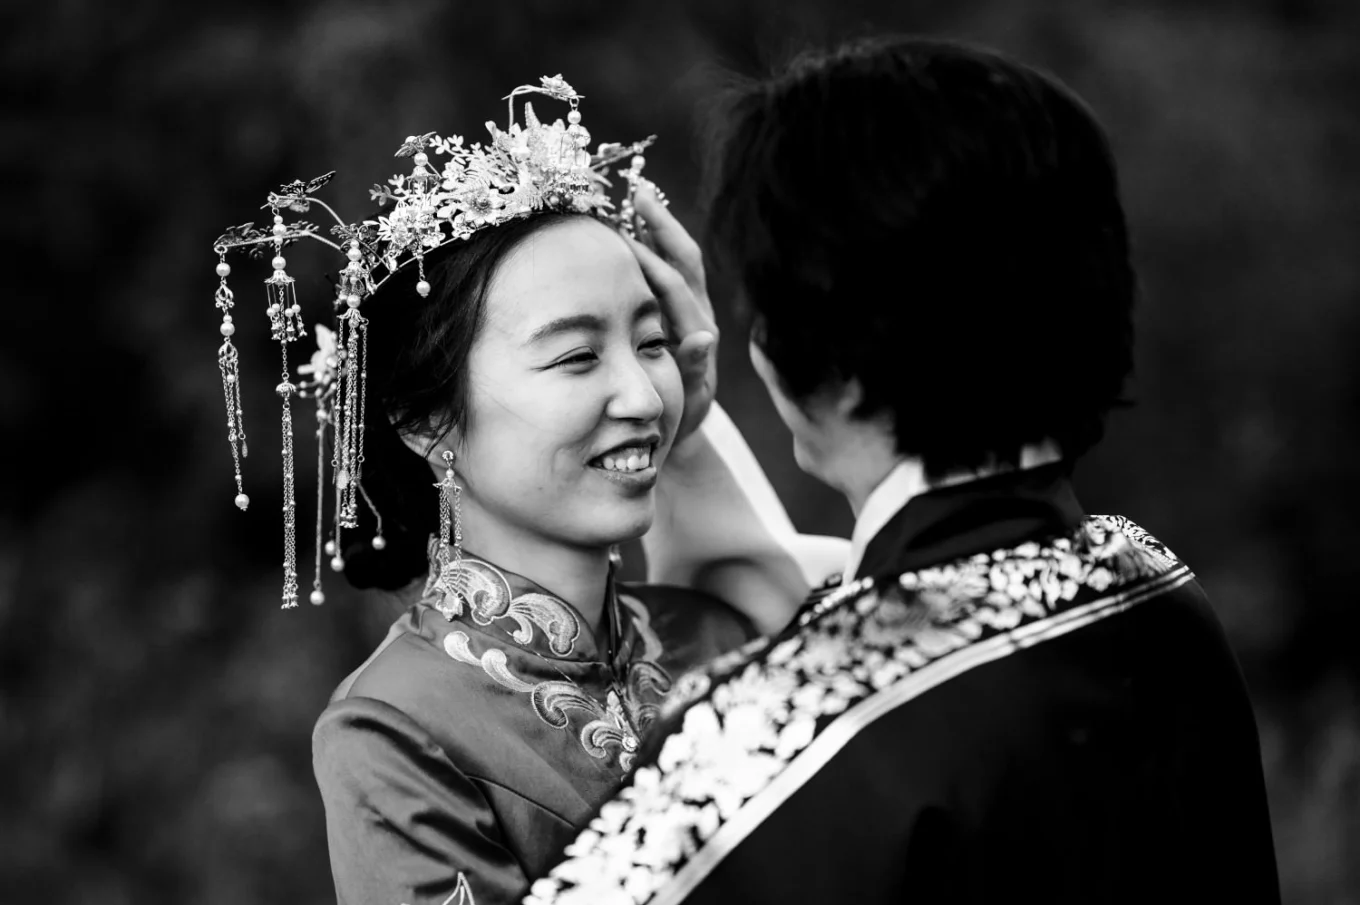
(431, 447)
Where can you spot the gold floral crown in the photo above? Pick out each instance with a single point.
(521, 171)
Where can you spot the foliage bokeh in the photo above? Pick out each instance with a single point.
(156, 707)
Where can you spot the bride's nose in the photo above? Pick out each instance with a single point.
(633, 396)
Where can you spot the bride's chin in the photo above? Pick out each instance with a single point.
(625, 527)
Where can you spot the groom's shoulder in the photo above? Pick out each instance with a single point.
(902, 622)
(872, 657)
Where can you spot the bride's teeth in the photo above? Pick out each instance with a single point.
(634, 459)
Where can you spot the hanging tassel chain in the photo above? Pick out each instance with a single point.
(229, 363)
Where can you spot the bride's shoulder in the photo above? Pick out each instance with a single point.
(409, 672)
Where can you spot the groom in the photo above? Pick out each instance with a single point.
(1008, 699)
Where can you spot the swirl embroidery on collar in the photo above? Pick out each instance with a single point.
(609, 725)
(485, 592)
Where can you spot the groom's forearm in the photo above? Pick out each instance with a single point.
(720, 527)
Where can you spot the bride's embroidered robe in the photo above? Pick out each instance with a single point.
(464, 753)
(1016, 702)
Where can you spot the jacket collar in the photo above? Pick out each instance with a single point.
(975, 516)
(517, 611)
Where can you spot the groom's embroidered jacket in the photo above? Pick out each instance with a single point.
(1015, 702)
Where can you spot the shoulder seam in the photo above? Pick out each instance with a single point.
(520, 795)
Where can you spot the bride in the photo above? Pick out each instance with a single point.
(555, 375)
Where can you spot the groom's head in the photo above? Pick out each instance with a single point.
(930, 240)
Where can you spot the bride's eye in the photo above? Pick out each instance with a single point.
(579, 359)
(657, 345)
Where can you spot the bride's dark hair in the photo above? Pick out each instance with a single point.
(417, 384)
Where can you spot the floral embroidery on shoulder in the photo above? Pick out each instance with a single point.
(695, 683)
(743, 729)
(1158, 550)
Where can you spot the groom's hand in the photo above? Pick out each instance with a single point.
(675, 272)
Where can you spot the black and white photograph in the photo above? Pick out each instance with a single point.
(645, 453)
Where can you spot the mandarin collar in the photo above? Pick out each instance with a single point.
(517, 611)
(975, 516)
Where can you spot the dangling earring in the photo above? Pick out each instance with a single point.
(450, 515)
(446, 571)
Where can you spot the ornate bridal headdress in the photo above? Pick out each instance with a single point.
(520, 171)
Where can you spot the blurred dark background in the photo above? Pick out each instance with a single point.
(156, 705)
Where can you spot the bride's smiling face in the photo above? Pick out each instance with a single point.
(573, 396)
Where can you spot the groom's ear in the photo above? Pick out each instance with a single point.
(845, 397)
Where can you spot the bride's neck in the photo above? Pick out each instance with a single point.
(579, 575)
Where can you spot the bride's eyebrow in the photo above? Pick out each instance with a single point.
(576, 322)
(648, 308)
(588, 323)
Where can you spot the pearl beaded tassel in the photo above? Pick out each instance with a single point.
(322, 419)
(286, 327)
(228, 362)
(290, 584)
(349, 429)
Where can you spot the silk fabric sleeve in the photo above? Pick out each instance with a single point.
(405, 826)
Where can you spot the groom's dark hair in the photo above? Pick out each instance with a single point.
(941, 223)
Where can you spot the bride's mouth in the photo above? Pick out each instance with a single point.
(631, 464)
(627, 460)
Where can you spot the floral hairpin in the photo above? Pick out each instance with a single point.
(521, 170)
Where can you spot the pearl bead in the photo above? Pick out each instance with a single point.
(227, 329)
(279, 262)
(226, 318)
(223, 268)
(273, 310)
(242, 501)
(423, 287)
(353, 254)
(574, 117)
(421, 159)
(639, 160)
(330, 548)
(353, 300)
(278, 218)
(337, 564)
(379, 543)
(318, 598)
(280, 229)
